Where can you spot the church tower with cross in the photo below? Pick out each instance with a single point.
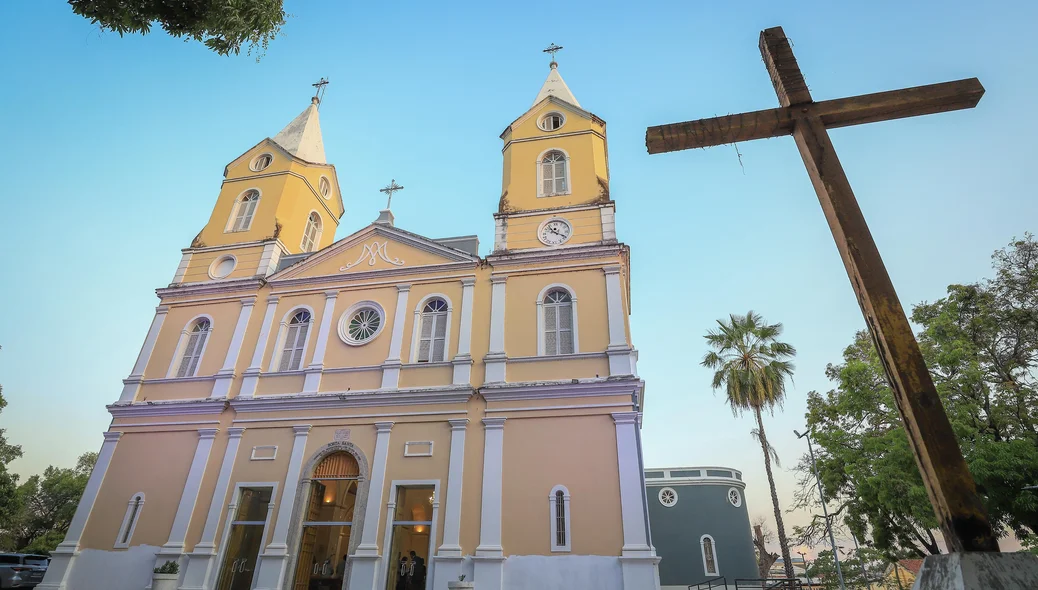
(385, 411)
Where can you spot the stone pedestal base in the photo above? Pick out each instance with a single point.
(978, 571)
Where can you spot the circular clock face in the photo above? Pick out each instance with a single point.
(555, 232)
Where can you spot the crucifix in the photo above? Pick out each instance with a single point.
(952, 491)
(319, 92)
(389, 190)
(552, 50)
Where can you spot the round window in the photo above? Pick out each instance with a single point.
(361, 323)
(734, 497)
(551, 121)
(668, 497)
(261, 162)
(325, 187)
(223, 266)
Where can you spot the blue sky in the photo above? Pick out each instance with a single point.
(114, 148)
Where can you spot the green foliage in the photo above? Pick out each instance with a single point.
(981, 344)
(170, 567)
(8, 481)
(223, 26)
(822, 570)
(752, 365)
(46, 504)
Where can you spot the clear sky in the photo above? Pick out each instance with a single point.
(113, 150)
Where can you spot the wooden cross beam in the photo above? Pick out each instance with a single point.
(949, 484)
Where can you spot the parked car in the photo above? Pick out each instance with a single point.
(19, 570)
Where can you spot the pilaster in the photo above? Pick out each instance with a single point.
(620, 353)
(496, 359)
(270, 573)
(225, 375)
(391, 367)
(252, 373)
(463, 360)
(489, 557)
(449, 555)
(365, 570)
(132, 384)
(312, 381)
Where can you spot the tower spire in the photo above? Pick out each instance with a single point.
(554, 85)
(302, 137)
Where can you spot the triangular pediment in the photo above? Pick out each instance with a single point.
(378, 248)
(541, 106)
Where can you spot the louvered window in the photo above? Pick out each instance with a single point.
(312, 233)
(558, 322)
(245, 210)
(196, 337)
(553, 174)
(295, 341)
(432, 342)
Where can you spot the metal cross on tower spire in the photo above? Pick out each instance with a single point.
(552, 50)
(319, 92)
(389, 190)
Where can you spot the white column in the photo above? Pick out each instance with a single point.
(463, 360)
(608, 213)
(365, 570)
(391, 368)
(185, 261)
(631, 490)
(496, 358)
(452, 509)
(312, 381)
(272, 563)
(269, 259)
(225, 375)
(251, 375)
(621, 358)
(62, 558)
(489, 557)
(201, 559)
(500, 233)
(133, 383)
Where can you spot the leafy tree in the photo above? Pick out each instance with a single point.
(223, 26)
(48, 503)
(752, 365)
(860, 571)
(8, 480)
(981, 344)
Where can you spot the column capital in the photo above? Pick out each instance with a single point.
(272, 299)
(494, 423)
(458, 424)
(248, 301)
(498, 279)
(112, 436)
(404, 288)
(162, 309)
(383, 426)
(468, 282)
(331, 294)
(235, 431)
(626, 417)
(210, 433)
(302, 429)
(612, 269)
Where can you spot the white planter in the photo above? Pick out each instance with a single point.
(456, 585)
(164, 581)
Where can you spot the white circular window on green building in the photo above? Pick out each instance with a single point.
(668, 497)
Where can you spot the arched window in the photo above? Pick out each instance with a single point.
(295, 341)
(312, 233)
(558, 504)
(558, 322)
(244, 210)
(328, 521)
(709, 555)
(192, 345)
(554, 175)
(432, 340)
(133, 513)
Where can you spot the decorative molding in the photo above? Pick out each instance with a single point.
(192, 407)
(557, 357)
(372, 252)
(341, 435)
(259, 455)
(561, 389)
(427, 451)
(553, 408)
(210, 287)
(541, 255)
(346, 399)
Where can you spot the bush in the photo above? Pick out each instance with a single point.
(170, 567)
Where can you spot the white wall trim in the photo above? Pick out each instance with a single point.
(416, 328)
(702, 553)
(540, 318)
(554, 523)
(182, 344)
(279, 341)
(125, 535)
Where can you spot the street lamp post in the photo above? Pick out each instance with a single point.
(825, 511)
(803, 558)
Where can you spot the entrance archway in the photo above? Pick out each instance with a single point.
(328, 518)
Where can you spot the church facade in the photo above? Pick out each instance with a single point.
(386, 411)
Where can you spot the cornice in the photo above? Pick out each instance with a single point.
(544, 255)
(346, 278)
(550, 210)
(209, 288)
(562, 389)
(352, 399)
(192, 407)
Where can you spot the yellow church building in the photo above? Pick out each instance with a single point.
(386, 411)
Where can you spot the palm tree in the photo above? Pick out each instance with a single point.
(752, 365)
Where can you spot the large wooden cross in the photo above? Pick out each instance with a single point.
(952, 490)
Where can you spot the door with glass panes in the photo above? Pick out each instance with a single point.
(245, 538)
(408, 559)
(324, 546)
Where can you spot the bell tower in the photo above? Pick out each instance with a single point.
(555, 182)
(281, 197)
